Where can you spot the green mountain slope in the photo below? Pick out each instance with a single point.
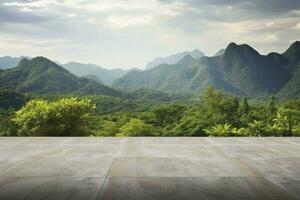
(189, 75)
(292, 88)
(252, 73)
(41, 75)
(173, 59)
(240, 70)
(105, 75)
(11, 99)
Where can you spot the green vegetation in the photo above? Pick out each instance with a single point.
(215, 113)
(65, 117)
(40, 98)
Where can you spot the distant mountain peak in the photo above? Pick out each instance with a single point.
(106, 76)
(293, 50)
(7, 62)
(174, 58)
(243, 50)
(220, 52)
(23, 62)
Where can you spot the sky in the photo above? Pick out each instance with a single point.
(130, 33)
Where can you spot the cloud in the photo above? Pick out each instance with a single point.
(11, 14)
(296, 27)
(260, 7)
(134, 31)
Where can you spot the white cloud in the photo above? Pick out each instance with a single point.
(125, 21)
(296, 27)
(134, 31)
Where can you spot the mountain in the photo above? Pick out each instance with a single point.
(292, 88)
(82, 70)
(173, 59)
(7, 62)
(220, 52)
(189, 75)
(93, 77)
(105, 75)
(240, 70)
(40, 75)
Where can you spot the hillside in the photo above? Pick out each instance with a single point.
(175, 58)
(40, 75)
(240, 70)
(105, 75)
(11, 99)
(8, 62)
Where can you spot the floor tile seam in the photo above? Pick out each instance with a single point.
(189, 177)
(45, 177)
(54, 177)
(99, 195)
(175, 158)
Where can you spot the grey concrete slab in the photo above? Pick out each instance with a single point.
(84, 166)
(191, 188)
(149, 168)
(290, 185)
(50, 188)
(260, 151)
(169, 140)
(175, 167)
(192, 151)
(274, 167)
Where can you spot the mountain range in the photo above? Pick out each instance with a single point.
(106, 76)
(175, 58)
(41, 75)
(7, 62)
(239, 69)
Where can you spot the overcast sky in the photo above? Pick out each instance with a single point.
(129, 33)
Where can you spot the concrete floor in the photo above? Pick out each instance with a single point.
(149, 168)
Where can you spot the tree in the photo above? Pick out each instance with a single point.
(244, 107)
(64, 117)
(287, 121)
(271, 109)
(137, 127)
(219, 108)
(167, 114)
(7, 127)
(222, 130)
(107, 128)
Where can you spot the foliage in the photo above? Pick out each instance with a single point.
(214, 114)
(7, 127)
(136, 127)
(223, 130)
(11, 99)
(287, 121)
(64, 117)
(107, 128)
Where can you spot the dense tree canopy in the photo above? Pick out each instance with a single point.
(215, 113)
(65, 117)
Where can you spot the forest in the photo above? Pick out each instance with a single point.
(214, 113)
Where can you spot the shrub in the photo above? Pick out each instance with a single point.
(223, 130)
(64, 117)
(137, 127)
